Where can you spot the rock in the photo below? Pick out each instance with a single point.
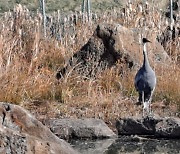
(80, 128)
(21, 132)
(157, 127)
(110, 43)
(133, 126)
(168, 128)
(14, 142)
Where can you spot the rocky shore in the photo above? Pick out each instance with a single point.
(22, 133)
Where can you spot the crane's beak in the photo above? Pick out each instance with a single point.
(145, 40)
(149, 41)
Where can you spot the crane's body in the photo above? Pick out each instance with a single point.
(145, 81)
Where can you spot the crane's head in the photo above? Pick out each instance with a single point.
(145, 40)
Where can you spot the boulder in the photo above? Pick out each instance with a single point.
(87, 128)
(14, 142)
(111, 43)
(168, 128)
(20, 132)
(133, 126)
(156, 127)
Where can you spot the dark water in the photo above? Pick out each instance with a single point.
(125, 145)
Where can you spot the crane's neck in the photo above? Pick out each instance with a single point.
(146, 61)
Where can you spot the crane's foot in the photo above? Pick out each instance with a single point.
(147, 114)
(151, 114)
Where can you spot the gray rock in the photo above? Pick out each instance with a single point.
(169, 128)
(19, 143)
(133, 126)
(80, 128)
(20, 130)
(11, 142)
(157, 127)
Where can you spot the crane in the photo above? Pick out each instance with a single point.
(145, 82)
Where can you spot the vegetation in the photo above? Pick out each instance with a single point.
(54, 5)
(29, 62)
(67, 5)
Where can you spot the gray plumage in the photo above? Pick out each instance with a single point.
(145, 81)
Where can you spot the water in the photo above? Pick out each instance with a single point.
(127, 145)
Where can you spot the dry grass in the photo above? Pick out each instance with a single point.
(168, 89)
(28, 64)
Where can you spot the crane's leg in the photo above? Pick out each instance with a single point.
(149, 102)
(143, 104)
(139, 101)
(146, 106)
(150, 99)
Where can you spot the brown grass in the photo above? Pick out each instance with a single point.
(28, 64)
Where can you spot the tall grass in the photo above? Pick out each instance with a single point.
(29, 62)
